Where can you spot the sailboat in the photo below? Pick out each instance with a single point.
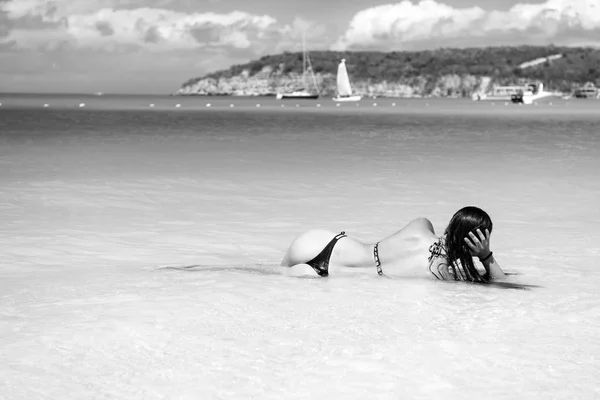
(303, 93)
(343, 85)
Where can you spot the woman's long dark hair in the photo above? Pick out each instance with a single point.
(465, 220)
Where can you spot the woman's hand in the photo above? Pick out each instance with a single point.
(479, 244)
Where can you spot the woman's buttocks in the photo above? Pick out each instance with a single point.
(308, 245)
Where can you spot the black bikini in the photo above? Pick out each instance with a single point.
(321, 262)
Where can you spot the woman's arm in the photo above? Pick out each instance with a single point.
(480, 247)
(491, 267)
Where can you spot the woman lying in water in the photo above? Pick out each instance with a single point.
(412, 251)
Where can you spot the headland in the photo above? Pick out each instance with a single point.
(446, 72)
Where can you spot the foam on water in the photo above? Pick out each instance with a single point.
(94, 204)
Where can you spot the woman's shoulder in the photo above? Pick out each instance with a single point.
(418, 231)
(421, 225)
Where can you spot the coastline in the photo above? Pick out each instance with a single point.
(165, 103)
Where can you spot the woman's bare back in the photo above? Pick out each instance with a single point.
(406, 252)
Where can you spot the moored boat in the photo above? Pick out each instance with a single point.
(303, 92)
(344, 90)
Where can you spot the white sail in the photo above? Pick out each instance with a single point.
(343, 82)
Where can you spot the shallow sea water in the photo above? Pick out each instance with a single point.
(103, 208)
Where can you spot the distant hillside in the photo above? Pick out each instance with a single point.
(442, 72)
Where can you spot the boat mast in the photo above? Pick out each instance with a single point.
(304, 60)
(307, 65)
(312, 74)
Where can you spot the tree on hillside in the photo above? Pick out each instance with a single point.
(578, 65)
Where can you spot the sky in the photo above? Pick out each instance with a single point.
(153, 46)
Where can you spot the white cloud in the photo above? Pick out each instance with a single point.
(81, 24)
(408, 25)
(289, 37)
(64, 8)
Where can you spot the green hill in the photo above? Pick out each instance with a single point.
(443, 72)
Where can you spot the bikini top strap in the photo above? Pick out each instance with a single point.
(377, 260)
